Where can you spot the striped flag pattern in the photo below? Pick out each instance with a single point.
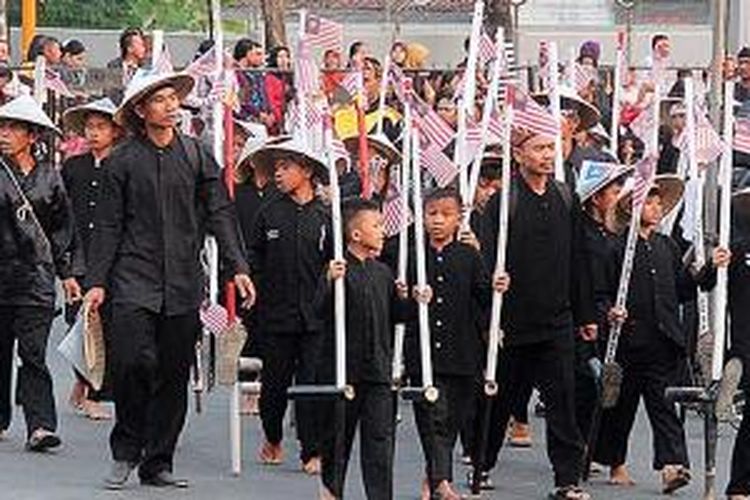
(205, 65)
(392, 213)
(440, 167)
(583, 75)
(643, 125)
(164, 64)
(645, 170)
(305, 71)
(527, 114)
(214, 318)
(742, 135)
(353, 83)
(708, 143)
(53, 82)
(544, 69)
(486, 48)
(323, 33)
(431, 125)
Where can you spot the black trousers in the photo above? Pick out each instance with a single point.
(439, 423)
(587, 392)
(30, 326)
(739, 482)
(372, 409)
(152, 354)
(646, 373)
(287, 357)
(473, 420)
(549, 367)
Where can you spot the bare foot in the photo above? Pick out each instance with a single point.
(95, 410)
(619, 476)
(312, 466)
(271, 454)
(446, 492)
(77, 395)
(249, 405)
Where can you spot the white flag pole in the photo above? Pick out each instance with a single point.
(614, 132)
(490, 103)
(383, 91)
(157, 47)
(719, 296)
(554, 97)
(495, 334)
(403, 241)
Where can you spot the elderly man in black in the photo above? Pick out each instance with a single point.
(160, 191)
(544, 304)
(37, 237)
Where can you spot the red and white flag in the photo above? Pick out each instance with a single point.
(214, 318)
(393, 212)
(708, 143)
(583, 75)
(204, 65)
(323, 33)
(544, 69)
(432, 158)
(431, 126)
(353, 82)
(742, 135)
(163, 64)
(645, 170)
(55, 83)
(305, 71)
(643, 125)
(486, 48)
(529, 115)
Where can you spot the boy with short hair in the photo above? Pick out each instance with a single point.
(374, 303)
(459, 281)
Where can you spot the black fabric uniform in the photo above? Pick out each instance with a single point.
(459, 282)
(739, 308)
(149, 231)
(372, 309)
(651, 348)
(82, 176)
(248, 198)
(598, 245)
(549, 294)
(27, 286)
(288, 250)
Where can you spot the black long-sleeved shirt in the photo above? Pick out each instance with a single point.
(288, 250)
(460, 286)
(154, 209)
(550, 286)
(27, 264)
(82, 176)
(372, 309)
(658, 284)
(598, 245)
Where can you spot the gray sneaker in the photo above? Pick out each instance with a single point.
(118, 475)
(730, 381)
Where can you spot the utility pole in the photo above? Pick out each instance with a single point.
(28, 24)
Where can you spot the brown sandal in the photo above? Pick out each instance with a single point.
(674, 477)
(569, 493)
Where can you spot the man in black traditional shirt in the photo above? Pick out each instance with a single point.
(288, 250)
(155, 203)
(547, 300)
(37, 243)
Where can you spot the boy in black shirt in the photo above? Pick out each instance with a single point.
(459, 281)
(374, 302)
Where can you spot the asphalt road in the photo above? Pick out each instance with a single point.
(75, 471)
